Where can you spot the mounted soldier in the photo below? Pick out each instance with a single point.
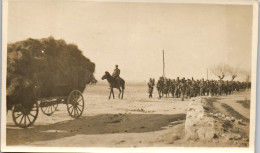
(116, 72)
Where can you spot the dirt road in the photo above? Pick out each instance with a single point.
(135, 121)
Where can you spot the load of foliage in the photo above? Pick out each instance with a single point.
(42, 68)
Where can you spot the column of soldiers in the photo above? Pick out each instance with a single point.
(187, 88)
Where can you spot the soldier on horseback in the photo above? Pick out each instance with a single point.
(116, 72)
(115, 82)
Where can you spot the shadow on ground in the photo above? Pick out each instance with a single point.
(244, 103)
(87, 125)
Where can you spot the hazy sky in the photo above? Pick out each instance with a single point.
(133, 35)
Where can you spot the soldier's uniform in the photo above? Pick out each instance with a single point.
(201, 85)
(116, 73)
(193, 88)
(173, 84)
(177, 87)
(220, 87)
(183, 87)
(188, 88)
(150, 88)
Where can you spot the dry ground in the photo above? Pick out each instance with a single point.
(135, 121)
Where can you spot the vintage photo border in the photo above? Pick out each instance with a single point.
(251, 147)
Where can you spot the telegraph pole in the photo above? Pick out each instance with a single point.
(163, 65)
(207, 74)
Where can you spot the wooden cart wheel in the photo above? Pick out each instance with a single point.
(24, 117)
(75, 104)
(49, 110)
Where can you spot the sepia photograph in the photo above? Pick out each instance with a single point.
(80, 75)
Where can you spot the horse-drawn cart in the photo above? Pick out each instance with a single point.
(25, 113)
(24, 116)
(43, 73)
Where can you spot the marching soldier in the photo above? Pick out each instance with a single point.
(150, 87)
(177, 87)
(201, 85)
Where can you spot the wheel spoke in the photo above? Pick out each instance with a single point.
(70, 106)
(55, 106)
(76, 96)
(32, 115)
(49, 109)
(80, 105)
(45, 109)
(76, 111)
(21, 120)
(29, 118)
(80, 99)
(18, 116)
(25, 120)
(71, 111)
(79, 109)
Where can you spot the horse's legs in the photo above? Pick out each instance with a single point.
(113, 93)
(119, 93)
(110, 93)
(122, 94)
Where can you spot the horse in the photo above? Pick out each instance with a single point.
(117, 83)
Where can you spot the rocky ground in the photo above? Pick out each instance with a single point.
(136, 121)
(231, 116)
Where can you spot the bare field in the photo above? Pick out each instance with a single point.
(135, 121)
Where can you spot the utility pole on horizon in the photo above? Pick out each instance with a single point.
(163, 65)
(207, 74)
